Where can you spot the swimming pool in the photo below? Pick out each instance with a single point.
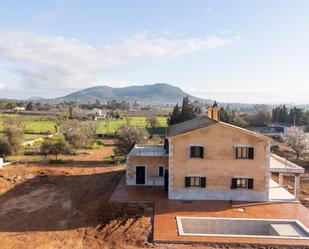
(242, 227)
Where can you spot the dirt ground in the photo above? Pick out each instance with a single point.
(66, 206)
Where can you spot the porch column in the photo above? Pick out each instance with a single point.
(280, 179)
(296, 186)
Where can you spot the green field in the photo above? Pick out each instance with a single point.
(41, 125)
(110, 127)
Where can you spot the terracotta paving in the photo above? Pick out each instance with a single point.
(124, 193)
(165, 212)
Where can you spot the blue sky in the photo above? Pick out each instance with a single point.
(232, 51)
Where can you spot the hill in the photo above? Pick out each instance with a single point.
(160, 93)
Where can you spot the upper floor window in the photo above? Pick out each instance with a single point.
(196, 151)
(195, 181)
(161, 171)
(245, 153)
(242, 183)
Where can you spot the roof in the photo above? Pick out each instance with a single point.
(189, 125)
(282, 165)
(202, 122)
(148, 150)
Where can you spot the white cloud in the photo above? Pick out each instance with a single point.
(57, 62)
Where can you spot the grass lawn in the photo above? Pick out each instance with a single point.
(29, 137)
(39, 127)
(110, 127)
(1, 125)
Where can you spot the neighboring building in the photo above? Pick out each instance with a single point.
(19, 109)
(1, 162)
(205, 159)
(96, 114)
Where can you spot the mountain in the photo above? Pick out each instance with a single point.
(160, 94)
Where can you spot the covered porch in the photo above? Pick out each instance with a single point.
(282, 166)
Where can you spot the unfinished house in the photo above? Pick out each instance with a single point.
(205, 159)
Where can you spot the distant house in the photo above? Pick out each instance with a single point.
(19, 109)
(1, 162)
(275, 129)
(96, 114)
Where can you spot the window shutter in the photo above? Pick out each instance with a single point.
(201, 152)
(187, 182)
(203, 182)
(234, 183)
(250, 183)
(251, 153)
(236, 153)
(192, 151)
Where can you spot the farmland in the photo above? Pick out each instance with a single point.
(44, 125)
(111, 126)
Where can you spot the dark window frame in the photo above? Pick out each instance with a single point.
(161, 173)
(242, 183)
(197, 152)
(245, 153)
(195, 182)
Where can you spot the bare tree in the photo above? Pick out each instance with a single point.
(129, 135)
(152, 122)
(51, 146)
(297, 139)
(5, 148)
(14, 138)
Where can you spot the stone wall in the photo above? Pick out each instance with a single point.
(219, 165)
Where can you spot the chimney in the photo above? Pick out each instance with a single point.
(213, 112)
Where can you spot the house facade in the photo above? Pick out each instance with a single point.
(205, 159)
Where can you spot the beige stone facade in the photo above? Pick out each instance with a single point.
(219, 164)
(151, 164)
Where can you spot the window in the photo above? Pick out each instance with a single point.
(245, 153)
(196, 152)
(195, 181)
(161, 171)
(246, 183)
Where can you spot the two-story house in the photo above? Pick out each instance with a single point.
(205, 159)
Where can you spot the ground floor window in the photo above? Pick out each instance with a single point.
(246, 183)
(161, 171)
(195, 181)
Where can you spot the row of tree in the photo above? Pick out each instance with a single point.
(186, 112)
(294, 116)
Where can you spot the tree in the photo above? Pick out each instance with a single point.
(229, 116)
(128, 136)
(71, 113)
(152, 122)
(52, 146)
(5, 148)
(174, 117)
(263, 117)
(14, 138)
(187, 112)
(29, 107)
(297, 139)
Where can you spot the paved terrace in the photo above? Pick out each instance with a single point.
(166, 211)
(283, 166)
(148, 150)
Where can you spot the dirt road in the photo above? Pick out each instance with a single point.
(52, 206)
